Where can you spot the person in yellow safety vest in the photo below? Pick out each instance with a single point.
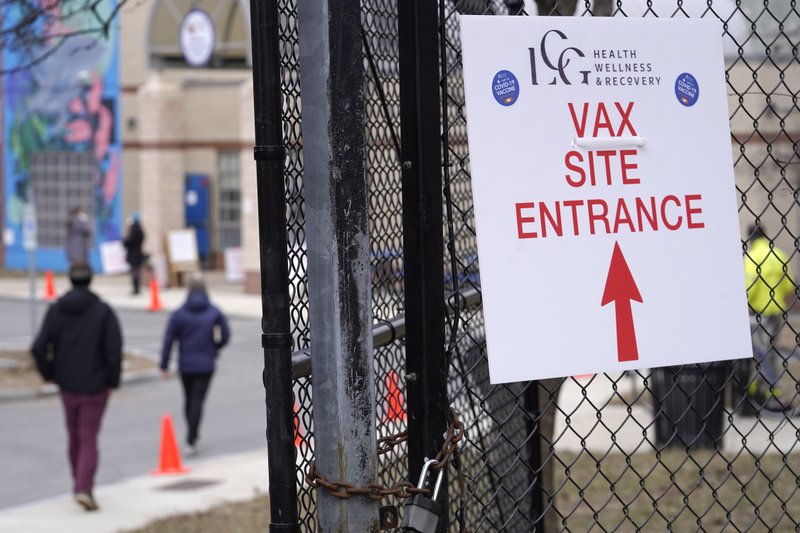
(769, 287)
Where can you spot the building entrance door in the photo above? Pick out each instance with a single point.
(196, 208)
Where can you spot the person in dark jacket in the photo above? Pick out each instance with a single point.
(201, 330)
(79, 234)
(79, 347)
(133, 251)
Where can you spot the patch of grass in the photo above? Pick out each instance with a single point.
(675, 491)
(241, 517)
(18, 369)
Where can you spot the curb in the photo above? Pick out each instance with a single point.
(50, 389)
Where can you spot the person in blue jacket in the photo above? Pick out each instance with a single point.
(201, 330)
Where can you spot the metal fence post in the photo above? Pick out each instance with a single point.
(426, 367)
(339, 277)
(534, 414)
(276, 336)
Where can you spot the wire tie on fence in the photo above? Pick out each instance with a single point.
(276, 340)
(263, 152)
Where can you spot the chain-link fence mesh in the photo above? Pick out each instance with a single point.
(699, 447)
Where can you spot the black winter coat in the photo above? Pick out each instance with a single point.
(133, 245)
(79, 346)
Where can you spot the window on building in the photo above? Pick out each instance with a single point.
(60, 181)
(229, 201)
(231, 22)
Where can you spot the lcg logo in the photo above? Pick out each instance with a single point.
(560, 66)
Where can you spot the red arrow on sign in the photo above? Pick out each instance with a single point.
(621, 289)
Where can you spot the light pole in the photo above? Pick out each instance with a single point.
(30, 244)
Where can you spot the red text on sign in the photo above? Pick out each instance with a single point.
(606, 168)
(604, 164)
(602, 121)
(598, 216)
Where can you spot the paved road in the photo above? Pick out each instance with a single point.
(32, 434)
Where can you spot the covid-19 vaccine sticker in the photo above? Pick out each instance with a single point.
(687, 90)
(505, 88)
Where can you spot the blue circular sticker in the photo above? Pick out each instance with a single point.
(687, 90)
(505, 88)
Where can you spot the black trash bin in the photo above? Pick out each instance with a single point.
(689, 405)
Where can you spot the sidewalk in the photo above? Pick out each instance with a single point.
(230, 297)
(135, 502)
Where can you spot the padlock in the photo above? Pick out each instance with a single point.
(421, 514)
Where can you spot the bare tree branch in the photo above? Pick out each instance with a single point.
(33, 30)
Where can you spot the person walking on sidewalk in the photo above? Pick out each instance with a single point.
(78, 236)
(133, 251)
(201, 330)
(79, 347)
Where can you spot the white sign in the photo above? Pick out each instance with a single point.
(160, 269)
(604, 194)
(197, 37)
(234, 264)
(182, 245)
(112, 257)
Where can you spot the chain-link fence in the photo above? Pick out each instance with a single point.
(699, 447)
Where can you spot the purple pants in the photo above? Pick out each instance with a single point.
(83, 413)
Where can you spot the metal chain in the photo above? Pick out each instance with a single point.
(402, 489)
(387, 443)
(373, 491)
(455, 432)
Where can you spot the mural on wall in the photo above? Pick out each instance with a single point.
(68, 102)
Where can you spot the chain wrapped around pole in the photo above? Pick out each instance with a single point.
(402, 489)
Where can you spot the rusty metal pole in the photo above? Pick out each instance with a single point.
(339, 278)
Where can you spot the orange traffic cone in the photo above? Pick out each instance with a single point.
(170, 457)
(49, 286)
(155, 300)
(298, 436)
(395, 398)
